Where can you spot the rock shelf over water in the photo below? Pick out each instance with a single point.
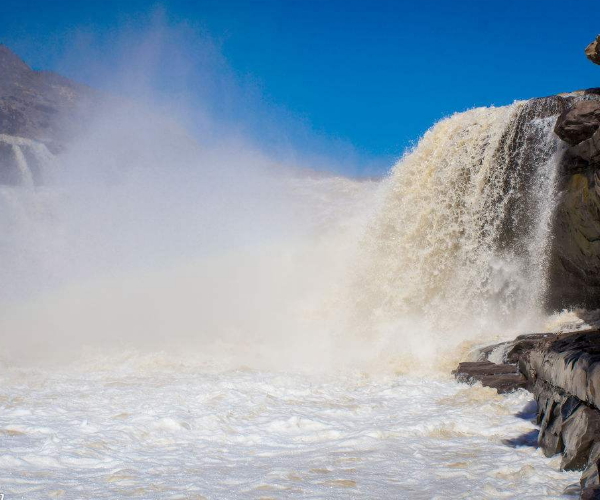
(563, 373)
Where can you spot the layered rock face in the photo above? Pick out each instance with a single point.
(579, 122)
(563, 373)
(39, 112)
(574, 271)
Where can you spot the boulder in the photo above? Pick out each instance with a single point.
(579, 122)
(592, 51)
(588, 150)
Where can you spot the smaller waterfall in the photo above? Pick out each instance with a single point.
(23, 162)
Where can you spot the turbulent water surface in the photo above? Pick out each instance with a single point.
(152, 429)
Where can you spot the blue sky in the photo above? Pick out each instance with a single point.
(351, 82)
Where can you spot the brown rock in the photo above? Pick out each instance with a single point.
(592, 51)
(579, 122)
(503, 378)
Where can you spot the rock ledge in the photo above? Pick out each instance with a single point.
(563, 373)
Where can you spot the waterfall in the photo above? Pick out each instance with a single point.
(452, 246)
(460, 242)
(24, 162)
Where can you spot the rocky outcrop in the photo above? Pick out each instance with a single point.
(40, 105)
(592, 51)
(563, 373)
(579, 122)
(44, 118)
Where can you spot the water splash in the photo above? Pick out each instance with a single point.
(458, 249)
(450, 249)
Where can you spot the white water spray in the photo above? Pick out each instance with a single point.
(456, 250)
(459, 248)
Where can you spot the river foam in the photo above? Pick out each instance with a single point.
(152, 427)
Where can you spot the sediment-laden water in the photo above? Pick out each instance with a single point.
(150, 427)
(245, 333)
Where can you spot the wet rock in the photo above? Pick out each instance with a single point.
(569, 362)
(554, 409)
(523, 344)
(574, 271)
(590, 479)
(578, 435)
(590, 494)
(549, 438)
(574, 268)
(592, 51)
(502, 377)
(579, 122)
(481, 368)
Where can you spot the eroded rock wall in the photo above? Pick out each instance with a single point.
(574, 265)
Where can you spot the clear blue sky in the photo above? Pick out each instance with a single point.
(354, 81)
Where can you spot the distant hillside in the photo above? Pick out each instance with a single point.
(39, 105)
(39, 111)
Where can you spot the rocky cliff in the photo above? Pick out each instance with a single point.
(574, 278)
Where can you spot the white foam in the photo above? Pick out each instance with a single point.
(243, 434)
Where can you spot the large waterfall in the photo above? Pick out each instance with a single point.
(452, 246)
(459, 246)
(229, 330)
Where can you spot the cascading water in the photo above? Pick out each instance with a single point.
(460, 243)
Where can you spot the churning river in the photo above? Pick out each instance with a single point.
(242, 333)
(154, 428)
